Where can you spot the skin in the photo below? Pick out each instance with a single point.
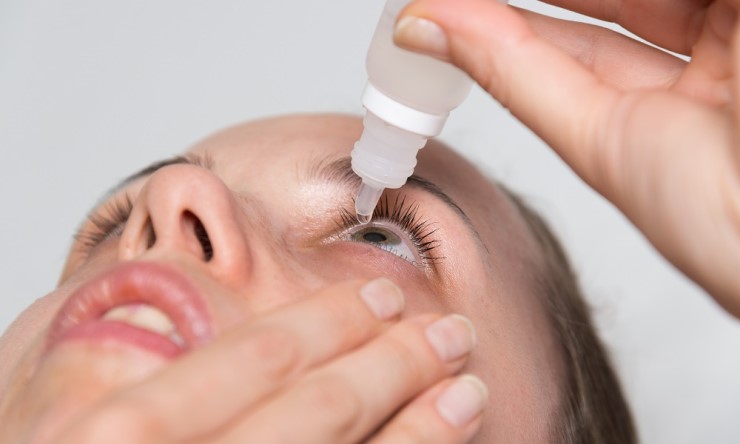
(654, 134)
(282, 295)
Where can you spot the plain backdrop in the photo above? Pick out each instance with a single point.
(91, 91)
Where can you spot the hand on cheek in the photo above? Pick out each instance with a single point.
(333, 367)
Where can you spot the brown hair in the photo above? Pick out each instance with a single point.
(593, 409)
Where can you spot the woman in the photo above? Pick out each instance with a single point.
(216, 296)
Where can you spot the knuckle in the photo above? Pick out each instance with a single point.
(414, 433)
(337, 400)
(490, 77)
(411, 364)
(603, 134)
(346, 311)
(277, 351)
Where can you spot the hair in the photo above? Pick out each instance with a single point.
(593, 409)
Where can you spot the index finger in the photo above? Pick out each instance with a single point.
(671, 24)
(205, 389)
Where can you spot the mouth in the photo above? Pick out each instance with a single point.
(144, 304)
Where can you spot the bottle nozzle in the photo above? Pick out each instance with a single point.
(367, 199)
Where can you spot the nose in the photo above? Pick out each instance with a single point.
(187, 210)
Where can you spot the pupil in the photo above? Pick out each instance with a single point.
(374, 237)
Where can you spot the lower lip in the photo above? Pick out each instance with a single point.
(102, 331)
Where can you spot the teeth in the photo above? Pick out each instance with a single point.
(146, 317)
(177, 339)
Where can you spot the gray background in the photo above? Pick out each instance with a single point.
(92, 90)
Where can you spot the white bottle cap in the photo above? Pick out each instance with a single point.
(400, 115)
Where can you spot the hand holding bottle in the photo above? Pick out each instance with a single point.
(655, 135)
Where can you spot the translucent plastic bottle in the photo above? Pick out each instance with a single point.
(408, 98)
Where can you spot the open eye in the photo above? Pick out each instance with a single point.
(384, 238)
(396, 228)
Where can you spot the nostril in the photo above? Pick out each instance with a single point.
(151, 236)
(202, 235)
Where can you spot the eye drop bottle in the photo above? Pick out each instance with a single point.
(407, 100)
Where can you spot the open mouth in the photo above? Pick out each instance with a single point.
(145, 304)
(146, 317)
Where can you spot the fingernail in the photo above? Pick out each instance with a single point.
(423, 36)
(452, 336)
(463, 400)
(383, 297)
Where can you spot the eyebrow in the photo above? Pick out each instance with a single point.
(189, 159)
(338, 171)
(203, 161)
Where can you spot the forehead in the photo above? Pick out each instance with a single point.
(284, 140)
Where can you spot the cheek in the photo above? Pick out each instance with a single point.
(22, 343)
(29, 328)
(78, 268)
(519, 358)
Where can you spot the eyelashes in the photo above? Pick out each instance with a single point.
(105, 223)
(405, 215)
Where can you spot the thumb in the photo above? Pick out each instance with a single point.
(550, 92)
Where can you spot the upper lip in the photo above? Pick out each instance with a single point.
(138, 282)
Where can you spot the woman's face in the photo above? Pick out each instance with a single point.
(274, 198)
